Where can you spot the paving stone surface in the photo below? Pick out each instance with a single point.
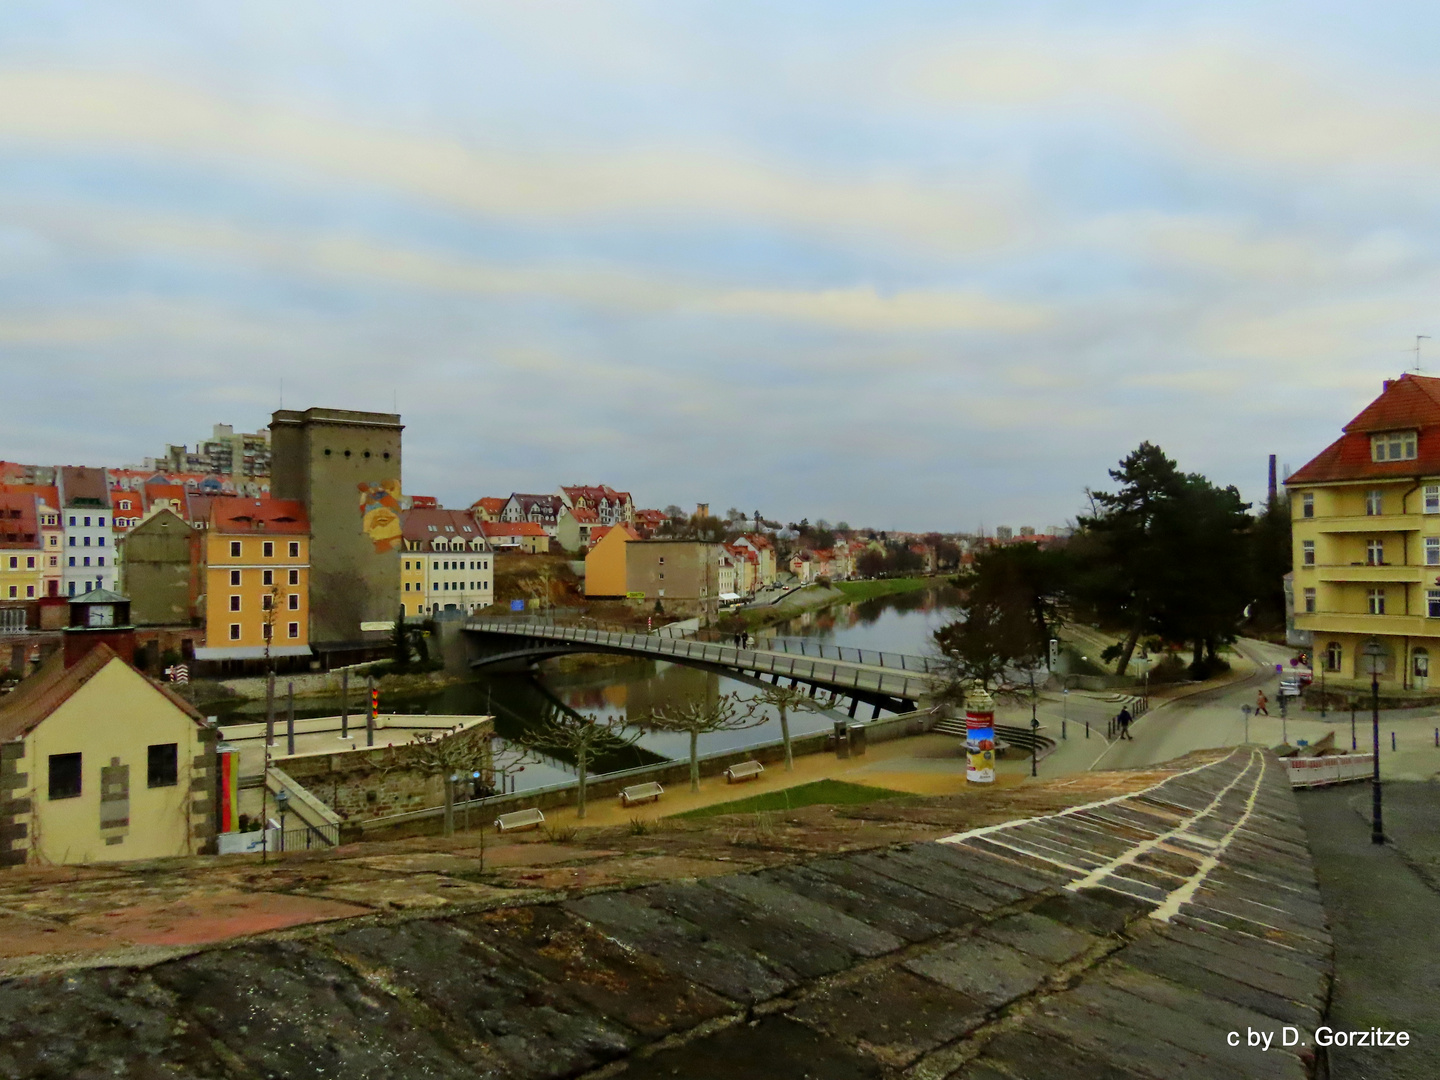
(1126, 939)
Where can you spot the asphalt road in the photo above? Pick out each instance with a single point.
(1383, 905)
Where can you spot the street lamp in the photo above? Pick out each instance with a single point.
(1035, 729)
(1375, 656)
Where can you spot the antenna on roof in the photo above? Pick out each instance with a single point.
(1418, 338)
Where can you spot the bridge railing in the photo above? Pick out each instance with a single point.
(846, 653)
(836, 673)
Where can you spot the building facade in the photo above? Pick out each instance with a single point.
(139, 785)
(1365, 523)
(89, 556)
(683, 575)
(256, 570)
(446, 564)
(605, 562)
(162, 573)
(344, 469)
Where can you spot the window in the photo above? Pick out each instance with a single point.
(293, 630)
(72, 521)
(294, 549)
(85, 541)
(87, 560)
(64, 776)
(162, 765)
(1377, 601)
(100, 541)
(1421, 660)
(1432, 498)
(72, 541)
(234, 549)
(87, 522)
(265, 599)
(1307, 552)
(294, 601)
(235, 578)
(234, 603)
(267, 549)
(100, 561)
(30, 590)
(72, 560)
(433, 528)
(294, 577)
(1307, 504)
(1432, 603)
(1432, 551)
(1309, 601)
(1375, 552)
(267, 577)
(1334, 653)
(1374, 502)
(100, 521)
(30, 562)
(234, 631)
(54, 560)
(1393, 446)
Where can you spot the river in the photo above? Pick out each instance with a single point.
(897, 624)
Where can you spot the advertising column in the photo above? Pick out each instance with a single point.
(979, 737)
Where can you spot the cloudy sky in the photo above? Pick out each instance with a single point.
(921, 265)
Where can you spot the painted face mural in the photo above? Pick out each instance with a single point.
(380, 514)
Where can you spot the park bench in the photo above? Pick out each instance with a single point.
(743, 770)
(520, 819)
(639, 793)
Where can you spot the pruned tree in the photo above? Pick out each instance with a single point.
(784, 699)
(696, 718)
(583, 739)
(446, 755)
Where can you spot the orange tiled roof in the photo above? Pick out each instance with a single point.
(238, 515)
(1411, 402)
(512, 528)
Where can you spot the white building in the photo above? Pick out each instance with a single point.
(89, 557)
(446, 563)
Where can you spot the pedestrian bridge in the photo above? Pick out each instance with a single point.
(892, 681)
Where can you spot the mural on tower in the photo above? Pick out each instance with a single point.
(380, 514)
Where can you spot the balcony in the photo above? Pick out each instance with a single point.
(1347, 622)
(1380, 573)
(1364, 523)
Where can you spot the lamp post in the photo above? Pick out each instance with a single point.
(1246, 710)
(1035, 730)
(282, 803)
(1375, 661)
(1322, 691)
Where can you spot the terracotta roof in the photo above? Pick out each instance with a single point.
(490, 503)
(82, 482)
(269, 516)
(24, 708)
(449, 525)
(19, 523)
(1411, 402)
(583, 514)
(512, 528)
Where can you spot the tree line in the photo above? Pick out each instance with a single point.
(1166, 557)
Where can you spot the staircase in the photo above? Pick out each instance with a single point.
(1005, 735)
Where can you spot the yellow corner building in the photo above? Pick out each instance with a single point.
(256, 555)
(1365, 521)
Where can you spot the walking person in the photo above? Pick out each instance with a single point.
(1260, 702)
(1124, 721)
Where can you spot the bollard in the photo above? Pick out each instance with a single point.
(1063, 733)
(1087, 729)
(345, 704)
(1392, 742)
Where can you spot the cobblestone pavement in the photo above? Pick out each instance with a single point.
(1138, 935)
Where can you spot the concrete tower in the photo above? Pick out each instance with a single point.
(345, 467)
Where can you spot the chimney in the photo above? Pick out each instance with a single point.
(1273, 490)
(1386, 385)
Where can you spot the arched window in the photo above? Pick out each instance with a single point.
(1334, 654)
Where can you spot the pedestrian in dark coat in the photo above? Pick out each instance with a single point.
(1124, 721)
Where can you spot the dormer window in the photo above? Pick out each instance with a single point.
(1393, 446)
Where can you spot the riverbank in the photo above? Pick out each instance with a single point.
(815, 597)
(873, 590)
(317, 684)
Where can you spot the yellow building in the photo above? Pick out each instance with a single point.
(22, 557)
(605, 563)
(1365, 520)
(446, 564)
(256, 573)
(99, 764)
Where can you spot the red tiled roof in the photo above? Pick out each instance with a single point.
(512, 528)
(584, 515)
(1411, 402)
(237, 515)
(449, 525)
(24, 708)
(596, 535)
(490, 503)
(19, 522)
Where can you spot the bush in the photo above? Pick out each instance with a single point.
(1169, 670)
(1207, 667)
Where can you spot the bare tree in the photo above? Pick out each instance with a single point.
(446, 755)
(584, 738)
(784, 699)
(696, 718)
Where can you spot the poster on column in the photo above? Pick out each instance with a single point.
(980, 747)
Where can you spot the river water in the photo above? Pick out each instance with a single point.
(896, 624)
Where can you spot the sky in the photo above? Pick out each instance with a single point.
(912, 265)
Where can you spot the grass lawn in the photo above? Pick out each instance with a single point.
(869, 590)
(819, 793)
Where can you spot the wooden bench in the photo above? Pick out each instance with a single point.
(743, 770)
(640, 793)
(520, 819)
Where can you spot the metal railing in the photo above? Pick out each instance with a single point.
(835, 673)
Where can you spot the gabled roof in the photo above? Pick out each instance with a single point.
(1409, 403)
(449, 525)
(596, 535)
(490, 504)
(512, 528)
(583, 514)
(237, 516)
(100, 596)
(19, 521)
(82, 486)
(27, 706)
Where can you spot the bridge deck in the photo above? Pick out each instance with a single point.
(835, 674)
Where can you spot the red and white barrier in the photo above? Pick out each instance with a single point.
(1335, 769)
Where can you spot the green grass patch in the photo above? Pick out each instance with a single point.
(869, 590)
(818, 793)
